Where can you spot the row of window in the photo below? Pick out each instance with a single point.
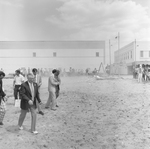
(129, 55)
(147, 53)
(55, 54)
(125, 56)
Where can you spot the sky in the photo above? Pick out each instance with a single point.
(53, 20)
(76, 20)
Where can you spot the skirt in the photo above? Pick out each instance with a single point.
(2, 110)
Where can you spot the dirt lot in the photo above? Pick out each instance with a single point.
(92, 114)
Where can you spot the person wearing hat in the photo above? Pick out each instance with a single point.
(57, 86)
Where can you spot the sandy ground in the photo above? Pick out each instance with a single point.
(92, 114)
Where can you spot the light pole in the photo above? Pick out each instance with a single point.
(110, 54)
(119, 51)
(118, 37)
(135, 51)
(135, 44)
(118, 41)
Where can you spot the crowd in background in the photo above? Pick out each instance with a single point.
(142, 73)
(27, 90)
(45, 72)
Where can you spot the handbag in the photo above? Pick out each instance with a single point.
(17, 103)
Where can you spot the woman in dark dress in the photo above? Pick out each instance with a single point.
(58, 80)
(2, 98)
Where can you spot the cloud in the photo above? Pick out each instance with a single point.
(74, 19)
(27, 22)
(101, 19)
(15, 3)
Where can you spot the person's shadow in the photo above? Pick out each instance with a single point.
(13, 129)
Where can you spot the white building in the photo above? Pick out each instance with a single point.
(137, 52)
(51, 54)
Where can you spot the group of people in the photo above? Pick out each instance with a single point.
(28, 91)
(141, 73)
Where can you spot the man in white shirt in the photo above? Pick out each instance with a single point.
(18, 80)
(140, 73)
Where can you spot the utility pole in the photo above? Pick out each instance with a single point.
(119, 54)
(109, 52)
(119, 46)
(135, 51)
(110, 55)
(118, 41)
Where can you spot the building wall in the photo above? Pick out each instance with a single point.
(75, 56)
(125, 54)
(131, 53)
(124, 58)
(145, 47)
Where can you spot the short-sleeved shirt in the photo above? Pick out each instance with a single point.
(19, 80)
(140, 70)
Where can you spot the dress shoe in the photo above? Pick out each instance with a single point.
(46, 107)
(20, 127)
(40, 112)
(1, 123)
(35, 132)
(57, 106)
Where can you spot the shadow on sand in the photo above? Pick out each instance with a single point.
(15, 129)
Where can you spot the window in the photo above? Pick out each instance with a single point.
(54, 54)
(97, 54)
(141, 53)
(131, 54)
(34, 54)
